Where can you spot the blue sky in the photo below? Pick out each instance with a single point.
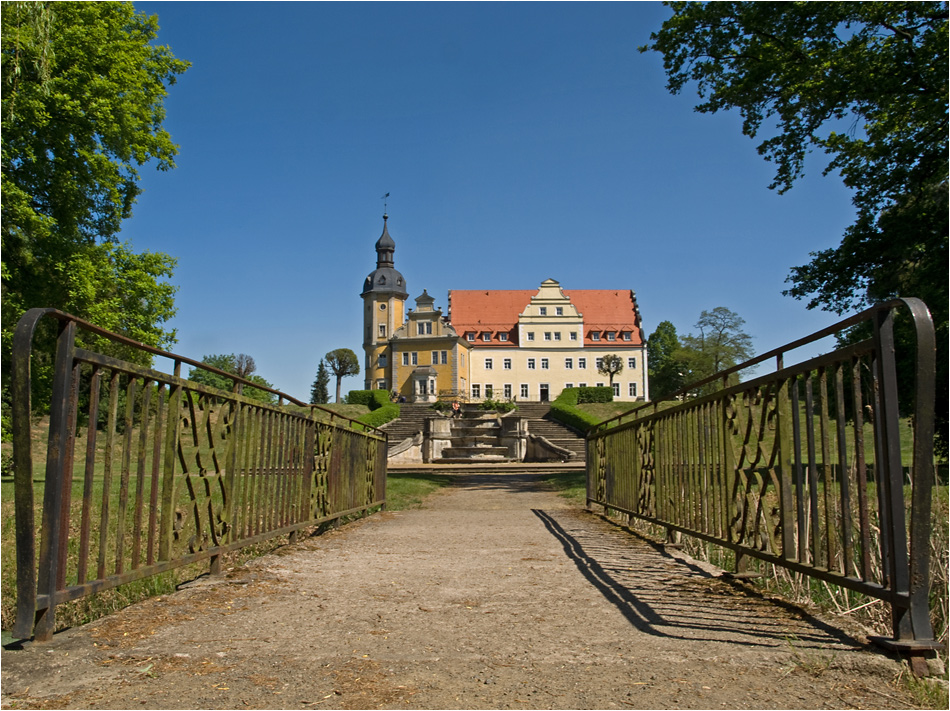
(518, 141)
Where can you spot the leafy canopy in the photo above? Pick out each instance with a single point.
(342, 362)
(241, 365)
(666, 371)
(865, 82)
(610, 365)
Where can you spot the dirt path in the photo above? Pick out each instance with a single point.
(497, 595)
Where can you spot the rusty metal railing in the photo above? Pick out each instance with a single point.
(146, 471)
(800, 468)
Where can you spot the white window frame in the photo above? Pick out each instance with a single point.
(582, 364)
(435, 357)
(568, 364)
(506, 364)
(488, 364)
(545, 364)
(405, 358)
(507, 391)
(502, 336)
(531, 363)
(594, 336)
(632, 363)
(632, 389)
(542, 310)
(573, 335)
(476, 391)
(529, 335)
(524, 390)
(558, 310)
(616, 389)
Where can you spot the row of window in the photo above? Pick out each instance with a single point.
(552, 336)
(543, 390)
(412, 358)
(546, 363)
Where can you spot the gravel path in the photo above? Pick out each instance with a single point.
(497, 594)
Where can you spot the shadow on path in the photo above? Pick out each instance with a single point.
(667, 597)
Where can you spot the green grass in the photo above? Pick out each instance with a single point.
(571, 485)
(606, 410)
(408, 491)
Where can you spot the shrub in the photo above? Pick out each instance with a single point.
(564, 409)
(378, 402)
(598, 394)
(499, 405)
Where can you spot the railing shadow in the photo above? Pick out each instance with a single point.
(666, 597)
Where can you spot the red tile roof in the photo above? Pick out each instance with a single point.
(497, 311)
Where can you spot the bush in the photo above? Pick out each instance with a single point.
(381, 409)
(498, 405)
(599, 394)
(564, 409)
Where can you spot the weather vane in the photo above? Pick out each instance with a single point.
(383, 198)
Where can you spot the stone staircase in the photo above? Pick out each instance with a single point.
(540, 423)
(410, 422)
(477, 434)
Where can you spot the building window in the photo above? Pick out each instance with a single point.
(382, 361)
(486, 337)
(594, 336)
(470, 337)
(445, 358)
(382, 330)
(502, 336)
(547, 335)
(506, 364)
(632, 363)
(573, 335)
(611, 336)
(524, 390)
(557, 335)
(476, 391)
(489, 391)
(568, 364)
(530, 335)
(405, 358)
(633, 389)
(598, 362)
(582, 385)
(424, 328)
(559, 310)
(543, 310)
(582, 363)
(616, 389)
(544, 364)
(568, 385)
(530, 363)
(507, 391)
(626, 335)
(415, 358)
(599, 385)
(488, 364)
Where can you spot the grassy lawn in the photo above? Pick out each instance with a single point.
(407, 491)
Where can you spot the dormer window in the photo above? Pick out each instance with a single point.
(594, 336)
(486, 337)
(502, 336)
(625, 335)
(611, 336)
(470, 337)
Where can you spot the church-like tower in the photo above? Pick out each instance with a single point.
(384, 303)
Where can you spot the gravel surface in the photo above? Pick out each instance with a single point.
(496, 594)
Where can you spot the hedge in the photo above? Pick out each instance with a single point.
(596, 394)
(564, 409)
(382, 410)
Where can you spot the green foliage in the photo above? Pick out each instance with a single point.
(594, 394)
(382, 410)
(342, 362)
(496, 405)
(564, 409)
(867, 84)
(239, 364)
(319, 394)
(82, 109)
(666, 371)
(610, 365)
(720, 344)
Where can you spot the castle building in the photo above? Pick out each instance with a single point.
(524, 345)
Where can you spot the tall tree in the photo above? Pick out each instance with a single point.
(241, 365)
(720, 344)
(319, 392)
(342, 362)
(82, 109)
(865, 82)
(666, 370)
(610, 365)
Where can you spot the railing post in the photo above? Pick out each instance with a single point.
(54, 528)
(167, 523)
